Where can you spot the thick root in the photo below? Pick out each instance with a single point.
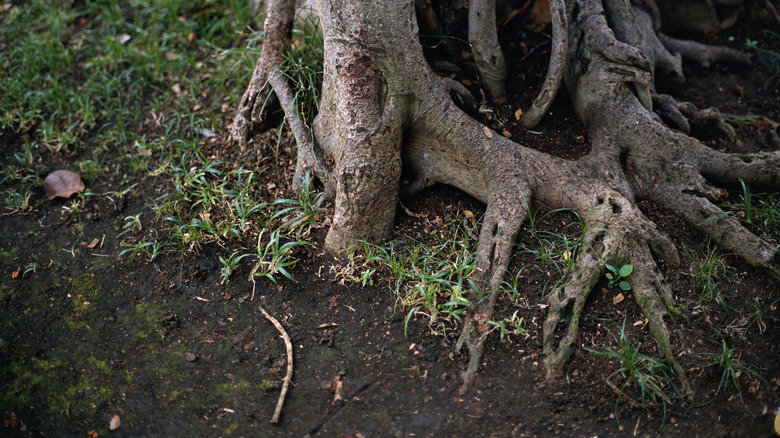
(704, 54)
(623, 237)
(555, 71)
(486, 49)
(677, 114)
(384, 108)
(502, 220)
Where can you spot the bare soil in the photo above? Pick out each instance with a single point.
(172, 352)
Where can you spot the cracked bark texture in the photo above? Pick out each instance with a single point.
(383, 109)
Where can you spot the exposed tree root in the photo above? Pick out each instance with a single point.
(383, 108)
(676, 114)
(490, 60)
(255, 103)
(486, 49)
(772, 126)
(555, 71)
(704, 54)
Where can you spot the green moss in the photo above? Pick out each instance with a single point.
(8, 293)
(9, 255)
(401, 351)
(175, 396)
(173, 358)
(146, 321)
(268, 385)
(70, 383)
(243, 387)
(85, 291)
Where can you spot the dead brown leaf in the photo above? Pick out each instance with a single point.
(114, 423)
(63, 183)
(540, 15)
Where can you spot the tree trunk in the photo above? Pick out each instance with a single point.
(383, 110)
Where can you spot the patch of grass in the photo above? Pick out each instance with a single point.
(555, 249)
(732, 368)
(512, 286)
(358, 270)
(16, 202)
(769, 57)
(761, 313)
(299, 215)
(710, 270)
(151, 248)
(303, 65)
(431, 278)
(229, 265)
(129, 93)
(512, 326)
(762, 210)
(275, 258)
(639, 373)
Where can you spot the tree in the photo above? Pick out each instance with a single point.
(384, 110)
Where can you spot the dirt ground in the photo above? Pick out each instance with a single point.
(172, 352)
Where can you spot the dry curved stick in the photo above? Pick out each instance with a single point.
(628, 399)
(288, 377)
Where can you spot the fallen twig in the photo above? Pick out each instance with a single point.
(288, 377)
(410, 212)
(628, 399)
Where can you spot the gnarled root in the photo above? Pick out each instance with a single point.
(704, 54)
(491, 64)
(486, 49)
(676, 114)
(269, 84)
(383, 108)
(501, 222)
(254, 105)
(556, 69)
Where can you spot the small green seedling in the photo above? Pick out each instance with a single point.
(617, 276)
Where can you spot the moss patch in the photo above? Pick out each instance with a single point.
(74, 384)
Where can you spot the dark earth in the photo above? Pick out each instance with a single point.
(171, 351)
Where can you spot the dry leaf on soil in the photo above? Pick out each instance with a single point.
(115, 423)
(63, 183)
